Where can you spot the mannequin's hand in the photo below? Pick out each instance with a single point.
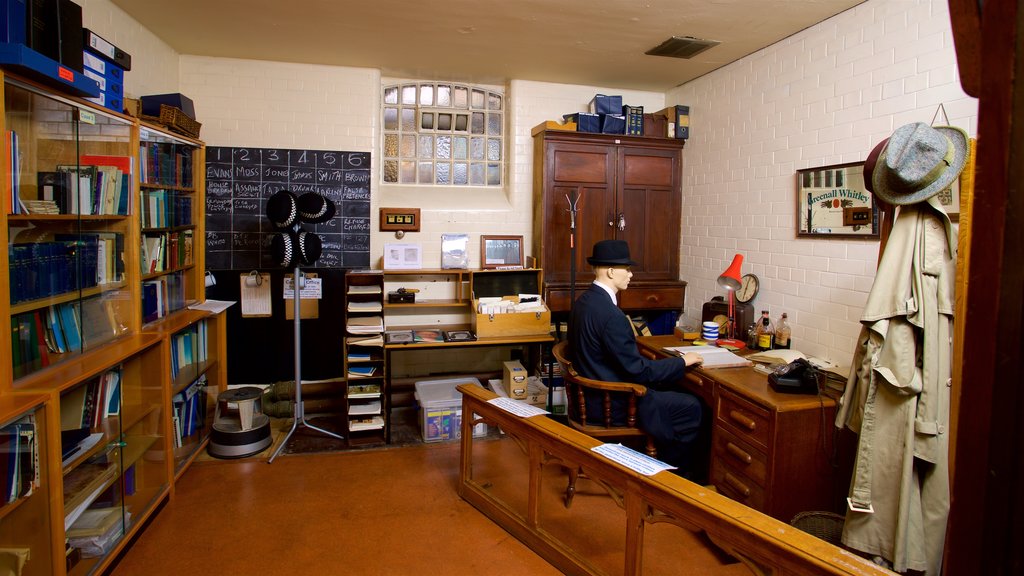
(693, 359)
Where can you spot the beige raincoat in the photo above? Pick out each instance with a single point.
(898, 396)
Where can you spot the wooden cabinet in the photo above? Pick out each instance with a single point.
(625, 188)
(25, 508)
(84, 353)
(366, 395)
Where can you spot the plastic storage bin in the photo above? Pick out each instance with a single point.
(441, 409)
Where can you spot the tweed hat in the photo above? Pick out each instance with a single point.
(314, 208)
(610, 253)
(918, 162)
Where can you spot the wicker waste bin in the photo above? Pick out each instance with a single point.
(825, 525)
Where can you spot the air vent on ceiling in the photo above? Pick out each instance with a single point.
(682, 47)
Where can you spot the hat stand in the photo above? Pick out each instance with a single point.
(299, 418)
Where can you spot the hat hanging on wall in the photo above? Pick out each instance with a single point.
(314, 208)
(918, 162)
(282, 209)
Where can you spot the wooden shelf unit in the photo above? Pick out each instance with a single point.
(74, 294)
(366, 403)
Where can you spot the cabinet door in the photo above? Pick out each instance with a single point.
(587, 173)
(648, 210)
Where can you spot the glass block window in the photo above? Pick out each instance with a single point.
(443, 134)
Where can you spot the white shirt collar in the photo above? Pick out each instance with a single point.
(609, 291)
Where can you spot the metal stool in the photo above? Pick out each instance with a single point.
(241, 432)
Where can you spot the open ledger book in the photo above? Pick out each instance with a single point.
(714, 357)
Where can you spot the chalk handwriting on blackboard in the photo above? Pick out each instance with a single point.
(240, 180)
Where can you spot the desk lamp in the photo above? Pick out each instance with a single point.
(730, 280)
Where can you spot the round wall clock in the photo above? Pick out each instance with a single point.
(749, 285)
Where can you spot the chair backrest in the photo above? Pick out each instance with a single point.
(580, 391)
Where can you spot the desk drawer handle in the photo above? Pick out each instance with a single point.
(742, 419)
(738, 452)
(737, 485)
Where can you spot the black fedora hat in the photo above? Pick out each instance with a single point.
(282, 209)
(611, 253)
(315, 209)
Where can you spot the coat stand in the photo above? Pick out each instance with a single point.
(299, 419)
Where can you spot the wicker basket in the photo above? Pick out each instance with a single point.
(178, 121)
(824, 525)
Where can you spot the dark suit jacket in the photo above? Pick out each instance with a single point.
(603, 347)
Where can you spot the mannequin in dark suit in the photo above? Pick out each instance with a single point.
(603, 346)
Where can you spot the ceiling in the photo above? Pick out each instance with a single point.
(586, 42)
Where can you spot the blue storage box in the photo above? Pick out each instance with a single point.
(585, 121)
(151, 104)
(602, 104)
(613, 124)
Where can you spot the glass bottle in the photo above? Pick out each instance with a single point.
(782, 333)
(765, 332)
(752, 335)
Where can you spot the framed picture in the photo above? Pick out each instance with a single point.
(833, 202)
(501, 252)
(403, 256)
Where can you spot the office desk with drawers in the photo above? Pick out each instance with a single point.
(770, 451)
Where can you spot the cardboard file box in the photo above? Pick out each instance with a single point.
(613, 124)
(585, 121)
(508, 284)
(515, 379)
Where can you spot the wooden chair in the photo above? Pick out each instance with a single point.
(576, 388)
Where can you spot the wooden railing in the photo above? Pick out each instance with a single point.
(518, 480)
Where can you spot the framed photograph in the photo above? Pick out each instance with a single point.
(403, 256)
(501, 252)
(833, 202)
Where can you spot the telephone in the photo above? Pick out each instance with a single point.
(797, 377)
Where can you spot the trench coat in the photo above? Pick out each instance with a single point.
(898, 394)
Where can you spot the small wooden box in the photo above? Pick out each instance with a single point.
(508, 284)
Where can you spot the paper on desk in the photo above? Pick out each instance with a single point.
(632, 459)
(213, 306)
(517, 407)
(714, 357)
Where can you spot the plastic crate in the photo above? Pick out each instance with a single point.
(440, 409)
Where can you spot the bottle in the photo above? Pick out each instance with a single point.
(765, 332)
(752, 335)
(782, 333)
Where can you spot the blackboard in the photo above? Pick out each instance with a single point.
(240, 180)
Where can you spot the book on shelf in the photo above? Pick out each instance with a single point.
(360, 424)
(428, 336)
(459, 336)
(365, 409)
(398, 336)
(363, 391)
(361, 371)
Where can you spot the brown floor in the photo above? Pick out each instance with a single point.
(391, 511)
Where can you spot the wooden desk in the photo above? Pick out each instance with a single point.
(770, 451)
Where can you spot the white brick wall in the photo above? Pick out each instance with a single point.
(823, 96)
